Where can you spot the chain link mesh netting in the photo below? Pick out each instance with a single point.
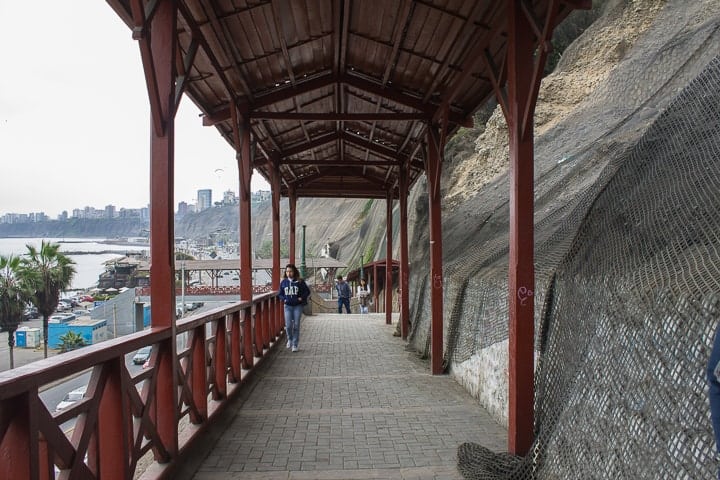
(627, 293)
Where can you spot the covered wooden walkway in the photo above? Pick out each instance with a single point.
(353, 403)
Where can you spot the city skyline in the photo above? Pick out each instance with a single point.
(76, 212)
(75, 121)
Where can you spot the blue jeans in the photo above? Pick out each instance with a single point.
(292, 323)
(713, 370)
(343, 301)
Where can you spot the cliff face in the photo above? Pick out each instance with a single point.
(79, 228)
(351, 227)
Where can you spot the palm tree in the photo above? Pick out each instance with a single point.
(49, 272)
(14, 295)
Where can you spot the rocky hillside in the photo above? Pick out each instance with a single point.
(79, 228)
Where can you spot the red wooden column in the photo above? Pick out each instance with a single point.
(241, 133)
(388, 258)
(404, 258)
(241, 130)
(157, 41)
(19, 444)
(525, 63)
(292, 202)
(277, 308)
(113, 429)
(433, 170)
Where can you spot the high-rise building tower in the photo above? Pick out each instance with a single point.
(204, 199)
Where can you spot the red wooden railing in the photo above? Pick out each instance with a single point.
(208, 290)
(116, 421)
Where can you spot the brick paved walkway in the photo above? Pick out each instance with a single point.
(353, 403)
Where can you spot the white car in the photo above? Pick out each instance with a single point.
(142, 355)
(71, 398)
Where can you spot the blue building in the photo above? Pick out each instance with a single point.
(91, 330)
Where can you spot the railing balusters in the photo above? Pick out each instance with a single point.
(248, 359)
(112, 434)
(17, 444)
(197, 376)
(220, 360)
(258, 329)
(115, 425)
(235, 348)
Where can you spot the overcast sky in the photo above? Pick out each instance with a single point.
(74, 115)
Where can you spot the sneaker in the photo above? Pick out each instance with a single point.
(288, 344)
(294, 349)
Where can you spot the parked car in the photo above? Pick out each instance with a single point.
(63, 306)
(30, 312)
(142, 355)
(71, 398)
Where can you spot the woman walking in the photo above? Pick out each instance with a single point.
(294, 294)
(363, 292)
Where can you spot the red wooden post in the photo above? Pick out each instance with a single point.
(112, 433)
(292, 203)
(246, 322)
(220, 360)
(433, 170)
(404, 257)
(18, 447)
(388, 258)
(241, 129)
(158, 54)
(279, 315)
(266, 322)
(235, 348)
(276, 272)
(197, 376)
(521, 281)
(258, 329)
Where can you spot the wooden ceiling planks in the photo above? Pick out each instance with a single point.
(330, 58)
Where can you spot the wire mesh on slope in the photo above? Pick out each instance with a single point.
(633, 304)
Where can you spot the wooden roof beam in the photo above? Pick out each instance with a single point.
(279, 95)
(197, 34)
(460, 42)
(338, 171)
(221, 34)
(283, 44)
(303, 147)
(350, 117)
(370, 145)
(578, 4)
(400, 28)
(345, 163)
(469, 63)
(187, 63)
(354, 191)
(402, 98)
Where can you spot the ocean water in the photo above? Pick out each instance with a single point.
(88, 266)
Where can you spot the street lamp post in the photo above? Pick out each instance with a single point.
(362, 262)
(182, 287)
(302, 254)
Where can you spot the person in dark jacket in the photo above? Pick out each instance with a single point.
(713, 378)
(294, 293)
(344, 294)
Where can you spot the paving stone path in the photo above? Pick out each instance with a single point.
(353, 403)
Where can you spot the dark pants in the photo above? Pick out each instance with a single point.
(343, 301)
(713, 370)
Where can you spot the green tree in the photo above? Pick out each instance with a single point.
(265, 250)
(14, 296)
(49, 272)
(70, 341)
